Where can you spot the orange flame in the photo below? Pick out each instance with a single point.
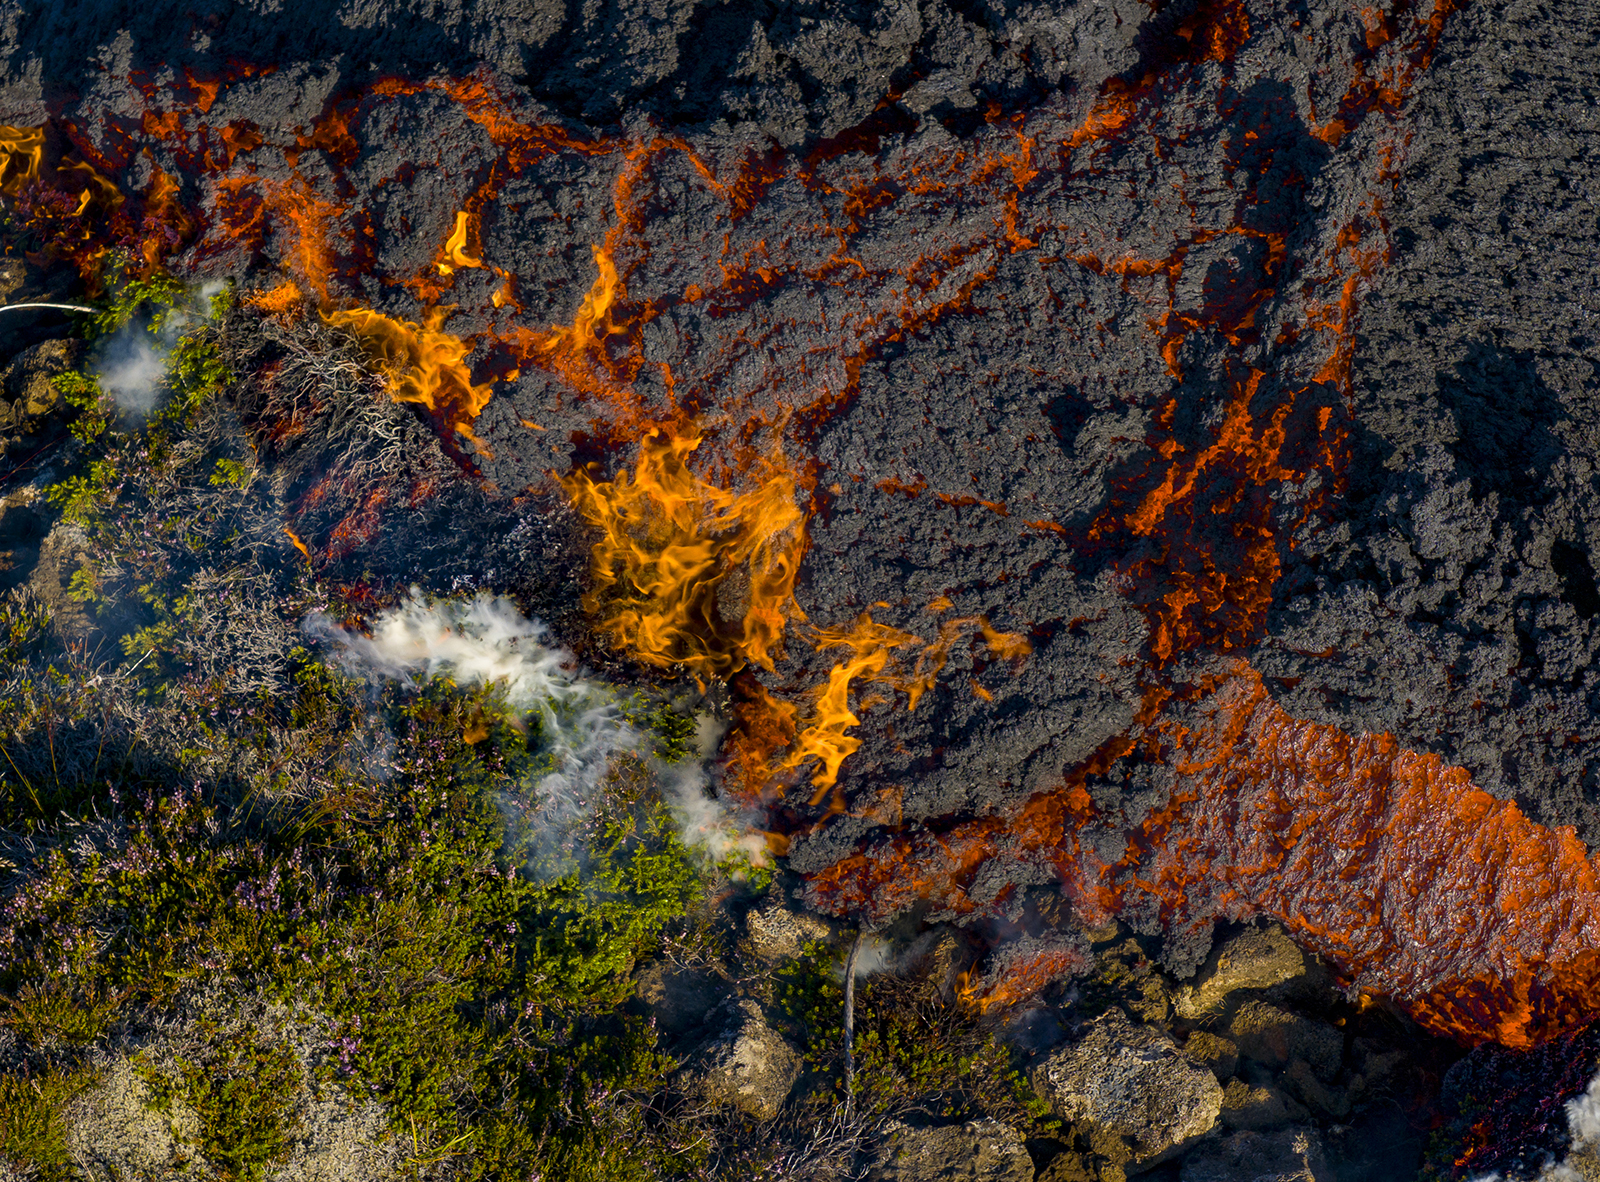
(1018, 980)
(423, 363)
(689, 573)
(281, 301)
(454, 256)
(21, 155)
(824, 739)
(872, 644)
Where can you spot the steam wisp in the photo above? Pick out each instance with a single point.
(132, 363)
(487, 641)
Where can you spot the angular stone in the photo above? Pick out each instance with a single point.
(1131, 1082)
(1274, 1036)
(752, 1067)
(679, 1000)
(1257, 1108)
(1213, 1052)
(776, 933)
(1317, 1095)
(1257, 959)
(978, 1151)
(1293, 1155)
(27, 380)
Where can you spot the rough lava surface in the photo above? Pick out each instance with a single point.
(1191, 409)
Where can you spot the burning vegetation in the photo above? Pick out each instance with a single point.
(955, 503)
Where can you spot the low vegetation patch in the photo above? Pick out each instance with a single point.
(191, 797)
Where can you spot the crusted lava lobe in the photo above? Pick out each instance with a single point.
(1452, 601)
(1127, 367)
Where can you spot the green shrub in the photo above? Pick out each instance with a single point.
(243, 1091)
(912, 1050)
(32, 1130)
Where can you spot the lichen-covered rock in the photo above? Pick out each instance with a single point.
(1213, 1052)
(115, 1130)
(27, 380)
(1293, 1155)
(777, 933)
(1133, 1083)
(978, 1151)
(1274, 1036)
(1248, 1106)
(1257, 959)
(751, 1067)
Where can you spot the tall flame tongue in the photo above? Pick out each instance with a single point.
(686, 573)
(424, 364)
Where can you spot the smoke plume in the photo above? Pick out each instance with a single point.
(487, 641)
(133, 363)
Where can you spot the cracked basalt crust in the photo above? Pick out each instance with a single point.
(1130, 368)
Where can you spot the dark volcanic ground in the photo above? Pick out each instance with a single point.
(1161, 338)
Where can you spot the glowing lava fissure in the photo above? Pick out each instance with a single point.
(725, 311)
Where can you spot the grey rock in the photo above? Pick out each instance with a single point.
(1131, 1082)
(1247, 1106)
(777, 933)
(978, 1151)
(1293, 1155)
(1213, 1052)
(751, 1067)
(1257, 959)
(1267, 1034)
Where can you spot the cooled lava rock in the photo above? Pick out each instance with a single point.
(1174, 424)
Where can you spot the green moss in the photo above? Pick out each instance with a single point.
(673, 734)
(161, 291)
(912, 1050)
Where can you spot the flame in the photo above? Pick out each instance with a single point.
(873, 645)
(455, 256)
(282, 301)
(763, 726)
(1018, 979)
(298, 544)
(167, 223)
(825, 740)
(21, 156)
(423, 363)
(686, 572)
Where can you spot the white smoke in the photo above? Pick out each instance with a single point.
(130, 370)
(133, 363)
(1583, 1115)
(487, 641)
(1583, 1124)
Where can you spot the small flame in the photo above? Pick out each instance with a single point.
(282, 301)
(454, 257)
(298, 544)
(423, 363)
(686, 572)
(21, 154)
(1019, 979)
(872, 646)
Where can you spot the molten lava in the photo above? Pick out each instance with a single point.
(1412, 881)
